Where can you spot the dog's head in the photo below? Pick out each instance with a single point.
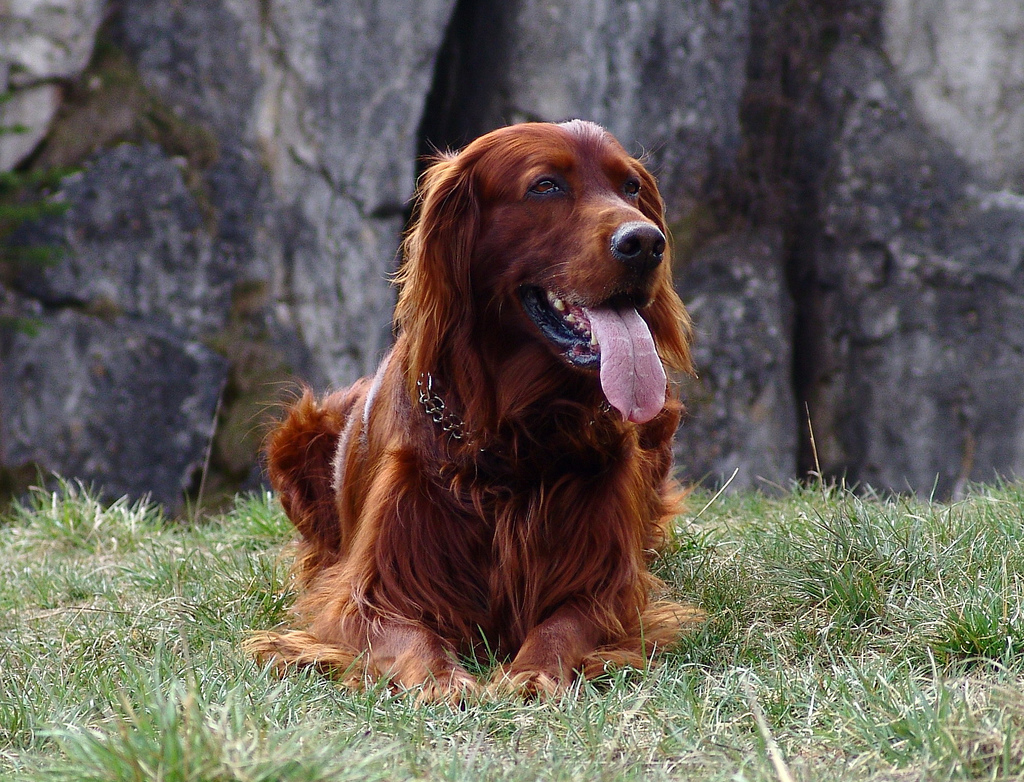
(553, 236)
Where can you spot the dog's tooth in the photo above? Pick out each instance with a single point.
(570, 318)
(593, 340)
(558, 304)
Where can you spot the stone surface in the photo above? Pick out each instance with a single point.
(115, 386)
(314, 111)
(326, 99)
(741, 412)
(120, 403)
(134, 244)
(340, 108)
(40, 41)
(844, 182)
(28, 113)
(47, 39)
(963, 61)
(665, 77)
(920, 279)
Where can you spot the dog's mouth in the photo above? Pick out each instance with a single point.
(564, 325)
(611, 337)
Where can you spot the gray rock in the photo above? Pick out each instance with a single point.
(40, 42)
(665, 77)
(202, 59)
(123, 404)
(327, 98)
(920, 278)
(963, 63)
(882, 136)
(135, 244)
(741, 411)
(340, 113)
(117, 386)
(29, 111)
(47, 40)
(315, 110)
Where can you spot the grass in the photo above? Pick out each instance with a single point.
(856, 638)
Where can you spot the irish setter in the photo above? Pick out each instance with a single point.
(500, 484)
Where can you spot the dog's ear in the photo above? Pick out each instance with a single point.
(435, 300)
(666, 316)
(670, 325)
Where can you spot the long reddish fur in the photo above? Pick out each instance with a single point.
(530, 537)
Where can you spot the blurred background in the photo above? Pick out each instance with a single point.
(203, 200)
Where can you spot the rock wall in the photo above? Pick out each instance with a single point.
(41, 43)
(843, 180)
(246, 168)
(918, 283)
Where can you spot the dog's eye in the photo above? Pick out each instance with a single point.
(631, 187)
(545, 187)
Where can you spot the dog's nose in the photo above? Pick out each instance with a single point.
(641, 246)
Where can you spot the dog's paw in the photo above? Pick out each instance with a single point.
(530, 684)
(454, 687)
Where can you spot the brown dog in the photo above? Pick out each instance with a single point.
(503, 479)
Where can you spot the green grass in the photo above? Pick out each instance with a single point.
(881, 639)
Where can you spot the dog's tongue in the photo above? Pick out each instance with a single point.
(632, 376)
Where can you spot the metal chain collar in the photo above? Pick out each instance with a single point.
(450, 423)
(435, 408)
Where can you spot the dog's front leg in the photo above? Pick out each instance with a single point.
(552, 652)
(412, 656)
